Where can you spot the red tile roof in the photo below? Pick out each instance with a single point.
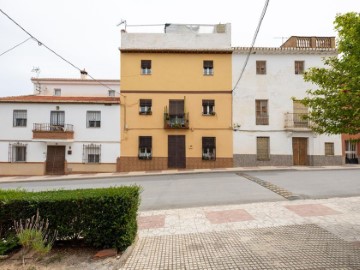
(60, 99)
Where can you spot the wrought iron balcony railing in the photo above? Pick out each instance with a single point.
(178, 121)
(51, 127)
(297, 121)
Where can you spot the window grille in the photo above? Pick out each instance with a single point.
(208, 148)
(20, 118)
(91, 153)
(93, 119)
(329, 149)
(17, 152)
(145, 67)
(208, 67)
(208, 106)
(260, 67)
(262, 116)
(263, 148)
(145, 147)
(299, 67)
(145, 106)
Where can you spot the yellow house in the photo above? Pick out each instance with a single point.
(176, 103)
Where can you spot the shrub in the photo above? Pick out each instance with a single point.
(104, 217)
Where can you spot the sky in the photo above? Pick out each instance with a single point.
(85, 32)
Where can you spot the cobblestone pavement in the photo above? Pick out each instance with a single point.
(301, 234)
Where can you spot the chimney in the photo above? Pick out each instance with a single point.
(83, 74)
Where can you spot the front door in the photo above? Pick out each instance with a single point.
(300, 155)
(176, 151)
(55, 160)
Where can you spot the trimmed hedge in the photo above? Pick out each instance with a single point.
(104, 217)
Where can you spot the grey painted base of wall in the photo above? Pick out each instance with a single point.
(243, 160)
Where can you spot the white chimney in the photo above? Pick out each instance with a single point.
(83, 74)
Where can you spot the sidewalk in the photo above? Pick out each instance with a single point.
(7, 179)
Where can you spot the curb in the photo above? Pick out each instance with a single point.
(126, 254)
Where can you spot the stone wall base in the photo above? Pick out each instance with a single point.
(325, 160)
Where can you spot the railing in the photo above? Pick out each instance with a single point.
(180, 121)
(313, 42)
(296, 121)
(55, 128)
(262, 120)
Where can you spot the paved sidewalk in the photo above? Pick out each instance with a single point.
(301, 234)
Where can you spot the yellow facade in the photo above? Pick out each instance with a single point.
(175, 76)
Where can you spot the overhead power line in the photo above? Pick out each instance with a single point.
(17, 45)
(253, 42)
(51, 50)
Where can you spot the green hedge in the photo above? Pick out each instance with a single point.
(103, 217)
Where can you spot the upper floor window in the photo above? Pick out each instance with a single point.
(208, 67)
(145, 67)
(111, 93)
(208, 148)
(17, 152)
(299, 67)
(57, 119)
(262, 115)
(145, 106)
(145, 147)
(260, 67)
(91, 153)
(19, 118)
(263, 148)
(329, 149)
(208, 107)
(93, 119)
(57, 92)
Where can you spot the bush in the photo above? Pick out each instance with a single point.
(103, 217)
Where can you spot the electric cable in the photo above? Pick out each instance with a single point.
(17, 45)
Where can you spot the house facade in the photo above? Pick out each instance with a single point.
(176, 100)
(73, 131)
(269, 124)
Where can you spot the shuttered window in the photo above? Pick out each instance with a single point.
(329, 149)
(20, 118)
(145, 106)
(91, 153)
(17, 152)
(263, 148)
(260, 67)
(208, 67)
(145, 67)
(299, 67)
(262, 116)
(208, 148)
(176, 107)
(145, 147)
(208, 106)
(93, 119)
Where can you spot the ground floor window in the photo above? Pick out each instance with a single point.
(329, 149)
(91, 153)
(208, 148)
(17, 152)
(145, 147)
(263, 148)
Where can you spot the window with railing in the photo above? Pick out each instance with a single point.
(208, 148)
(20, 118)
(93, 119)
(145, 67)
(145, 147)
(17, 152)
(208, 107)
(329, 149)
(263, 148)
(145, 106)
(91, 153)
(262, 115)
(208, 67)
(57, 119)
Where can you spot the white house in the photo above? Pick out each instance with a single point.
(267, 116)
(74, 131)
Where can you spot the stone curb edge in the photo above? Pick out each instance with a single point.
(126, 254)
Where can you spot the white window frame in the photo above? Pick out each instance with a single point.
(20, 115)
(93, 119)
(92, 153)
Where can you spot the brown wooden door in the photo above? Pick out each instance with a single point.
(300, 155)
(55, 160)
(176, 151)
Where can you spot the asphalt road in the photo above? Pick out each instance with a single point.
(205, 189)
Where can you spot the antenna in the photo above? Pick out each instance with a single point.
(37, 85)
(282, 39)
(122, 22)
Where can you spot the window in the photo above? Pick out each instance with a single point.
(20, 118)
(57, 92)
(262, 116)
(145, 67)
(93, 119)
(299, 67)
(208, 106)
(145, 147)
(260, 67)
(91, 153)
(17, 152)
(145, 106)
(57, 120)
(208, 148)
(208, 67)
(111, 93)
(263, 148)
(329, 149)
(300, 111)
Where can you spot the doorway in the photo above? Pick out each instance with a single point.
(55, 160)
(176, 151)
(300, 154)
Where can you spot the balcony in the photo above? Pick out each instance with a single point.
(309, 42)
(178, 121)
(297, 122)
(53, 132)
(262, 120)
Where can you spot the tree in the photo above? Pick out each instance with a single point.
(335, 105)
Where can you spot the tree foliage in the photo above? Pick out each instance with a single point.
(335, 105)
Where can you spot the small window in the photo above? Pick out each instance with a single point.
(208, 107)
(299, 67)
(260, 67)
(329, 149)
(93, 119)
(17, 152)
(57, 92)
(20, 118)
(145, 106)
(262, 116)
(208, 67)
(145, 147)
(91, 153)
(145, 67)
(208, 148)
(263, 148)
(111, 93)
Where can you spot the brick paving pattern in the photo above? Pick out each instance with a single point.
(309, 210)
(217, 217)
